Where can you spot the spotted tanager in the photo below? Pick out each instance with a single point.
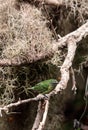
(45, 86)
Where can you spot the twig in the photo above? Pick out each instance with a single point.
(38, 116)
(74, 88)
(20, 102)
(42, 123)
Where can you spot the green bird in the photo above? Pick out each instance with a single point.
(45, 86)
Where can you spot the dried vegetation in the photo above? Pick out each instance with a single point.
(23, 32)
(25, 36)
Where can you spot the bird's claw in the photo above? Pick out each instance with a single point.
(45, 97)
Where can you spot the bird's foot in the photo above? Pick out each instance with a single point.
(46, 97)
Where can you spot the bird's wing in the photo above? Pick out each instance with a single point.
(40, 88)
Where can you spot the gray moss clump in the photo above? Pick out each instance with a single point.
(23, 31)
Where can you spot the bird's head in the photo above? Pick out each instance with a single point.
(54, 83)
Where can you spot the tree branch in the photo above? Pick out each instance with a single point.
(66, 65)
(38, 116)
(42, 124)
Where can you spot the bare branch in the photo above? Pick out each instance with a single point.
(42, 124)
(38, 116)
(74, 88)
(6, 108)
(66, 65)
